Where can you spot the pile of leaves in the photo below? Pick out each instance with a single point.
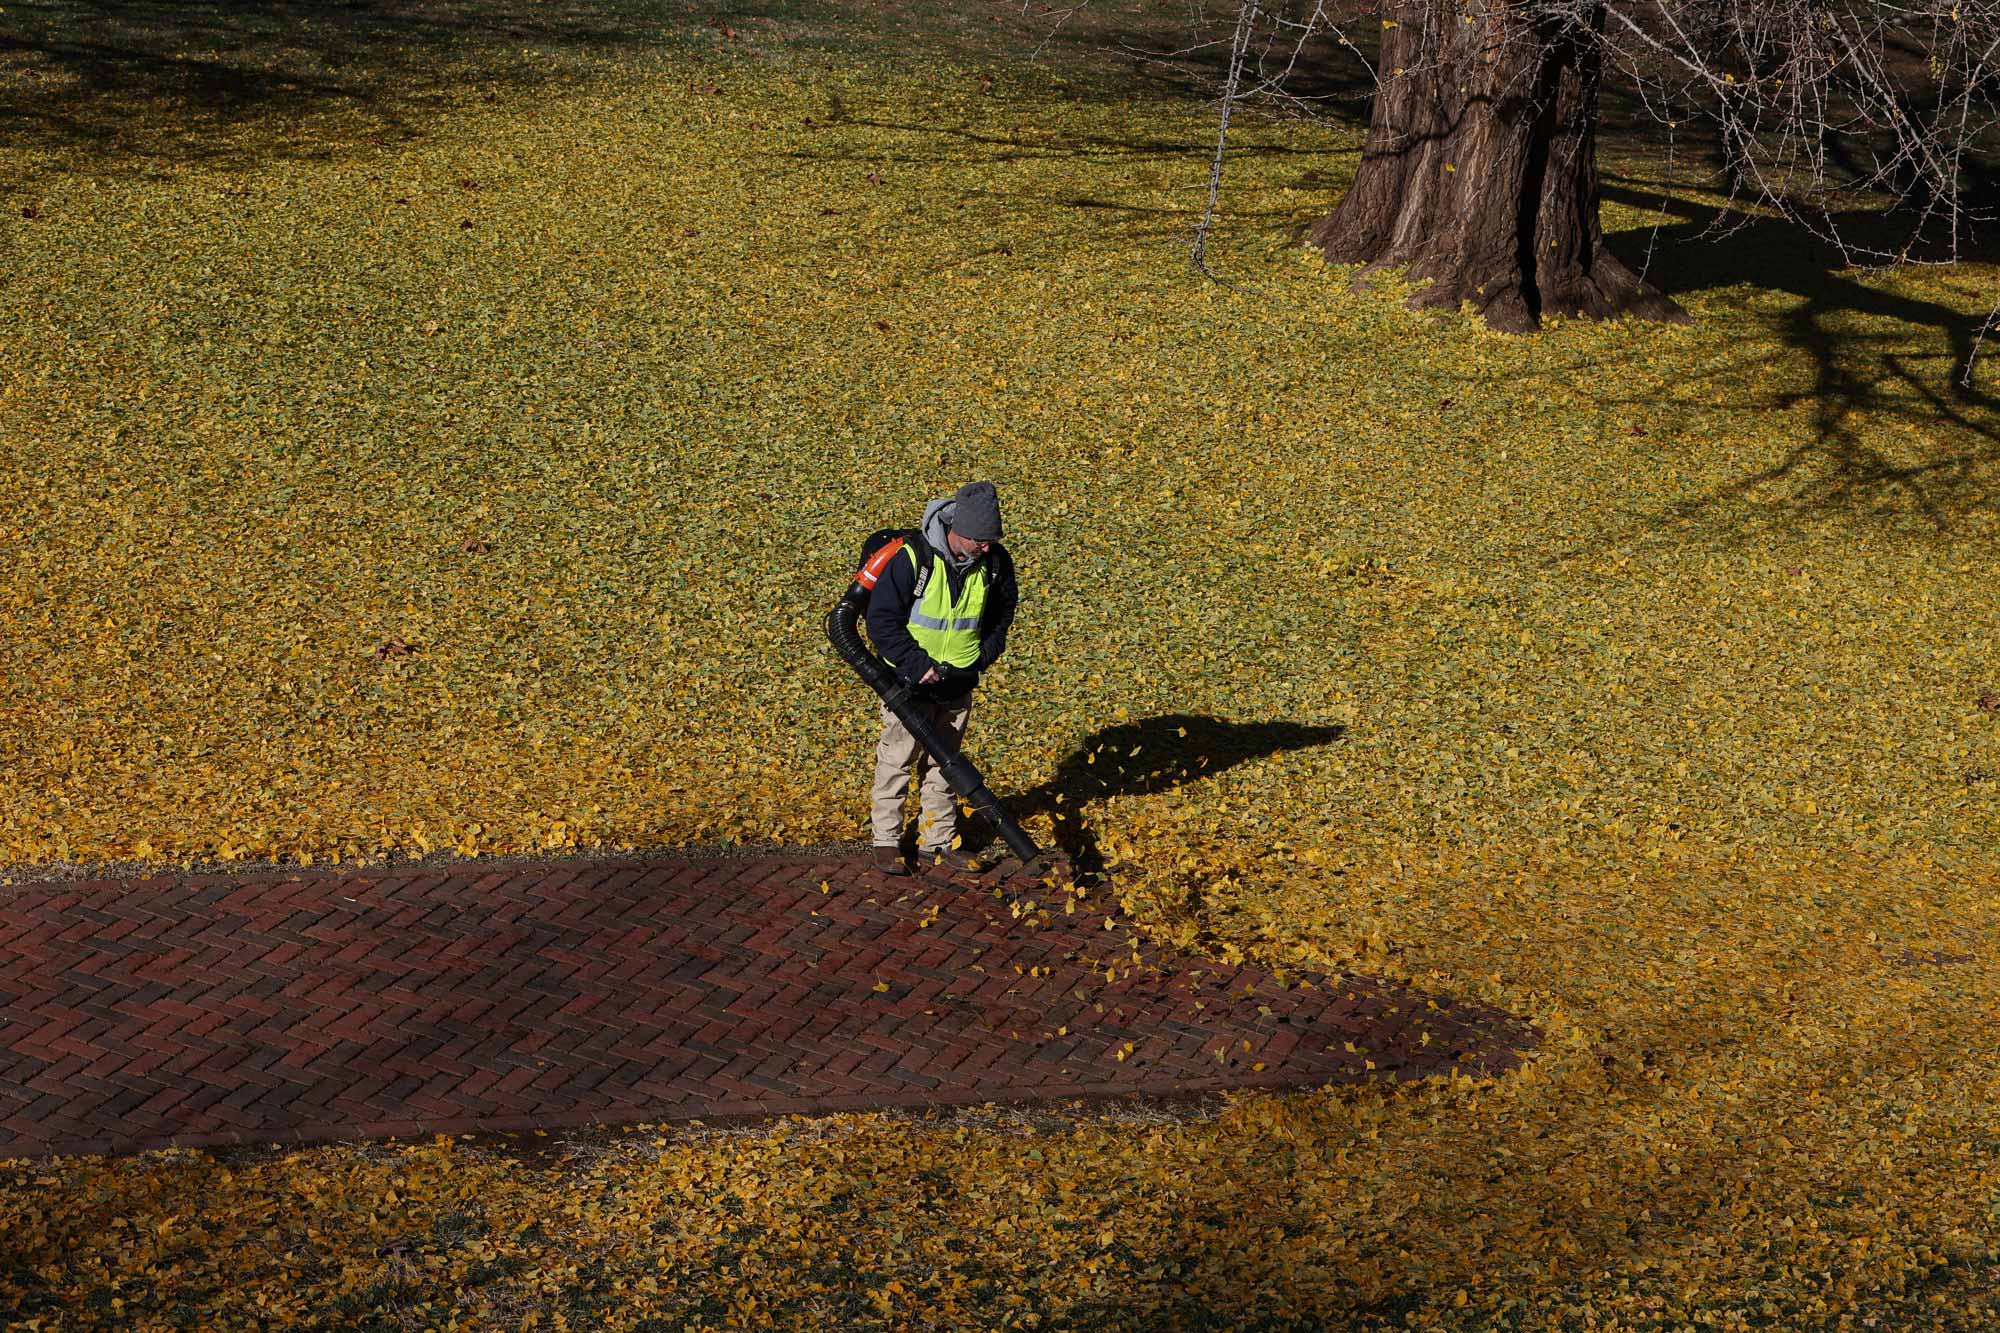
(483, 494)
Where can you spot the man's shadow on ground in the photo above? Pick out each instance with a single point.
(1139, 758)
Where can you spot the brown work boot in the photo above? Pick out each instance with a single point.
(888, 860)
(955, 861)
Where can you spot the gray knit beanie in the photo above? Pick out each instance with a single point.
(977, 513)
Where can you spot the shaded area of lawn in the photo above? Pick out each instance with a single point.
(1895, 431)
(131, 84)
(119, 85)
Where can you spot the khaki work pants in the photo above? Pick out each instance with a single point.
(895, 755)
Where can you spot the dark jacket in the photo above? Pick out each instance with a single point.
(896, 593)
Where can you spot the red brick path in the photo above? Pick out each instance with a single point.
(212, 1010)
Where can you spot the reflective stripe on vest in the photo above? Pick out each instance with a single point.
(946, 629)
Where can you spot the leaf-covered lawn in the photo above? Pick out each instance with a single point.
(485, 493)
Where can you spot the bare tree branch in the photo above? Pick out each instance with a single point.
(1246, 19)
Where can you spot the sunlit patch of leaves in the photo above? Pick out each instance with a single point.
(337, 531)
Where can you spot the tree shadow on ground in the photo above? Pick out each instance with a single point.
(1287, 1184)
(121, 85)
(1898, 433)
(1187, 55)
(1023, 214)
(1140, 758)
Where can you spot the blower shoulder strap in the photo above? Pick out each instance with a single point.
(920, 554)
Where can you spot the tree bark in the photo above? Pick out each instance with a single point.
(1479, 174)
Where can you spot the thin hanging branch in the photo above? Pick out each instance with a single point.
(1246, 19)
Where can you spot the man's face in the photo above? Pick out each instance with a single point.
(964, 548)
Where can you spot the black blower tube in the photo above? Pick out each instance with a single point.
(957, 769)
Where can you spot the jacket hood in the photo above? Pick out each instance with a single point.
(937, 517)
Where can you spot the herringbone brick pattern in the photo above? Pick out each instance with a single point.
(213, 1010)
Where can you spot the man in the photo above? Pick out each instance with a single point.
(939, 615)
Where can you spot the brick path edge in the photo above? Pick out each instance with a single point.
(214, 1010)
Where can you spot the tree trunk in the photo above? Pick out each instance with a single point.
(1480, 170)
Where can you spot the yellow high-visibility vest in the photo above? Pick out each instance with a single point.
(946, 629)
